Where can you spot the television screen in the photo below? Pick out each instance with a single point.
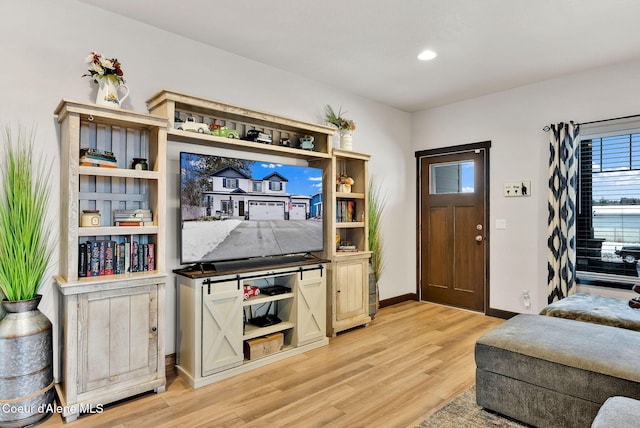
(234, 208)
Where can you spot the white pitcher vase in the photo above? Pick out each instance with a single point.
(109, 92)
(346, 140)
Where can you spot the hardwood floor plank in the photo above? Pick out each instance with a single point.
(412, 359)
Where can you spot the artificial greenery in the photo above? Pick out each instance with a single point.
(377, 203)
(24, 231)
(337, 119)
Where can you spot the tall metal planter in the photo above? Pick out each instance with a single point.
(26, 372)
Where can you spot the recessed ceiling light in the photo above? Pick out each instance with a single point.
(427, 55)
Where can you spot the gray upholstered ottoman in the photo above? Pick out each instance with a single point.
(555, 372)
(596, 309)
(618, 412)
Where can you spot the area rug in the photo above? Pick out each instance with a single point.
(463, 411)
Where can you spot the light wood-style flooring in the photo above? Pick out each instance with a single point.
(412, 359)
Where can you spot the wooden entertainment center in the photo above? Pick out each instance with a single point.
(328, 291)
(214, 322)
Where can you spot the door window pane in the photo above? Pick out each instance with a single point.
(452, 177)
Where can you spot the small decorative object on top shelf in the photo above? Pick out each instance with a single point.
(306, 142)
(344, 126)
(26, 336)
(107, 73)
(258, 136)
(190, 124)
(346, 140)
(223, 131)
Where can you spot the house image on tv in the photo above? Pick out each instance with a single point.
(235, 194)
(316, 205)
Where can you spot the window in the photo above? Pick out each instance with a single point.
(452, 177)
(275, 185)
(230, 183)
(257, 186)
(608, 211)
(226, 207)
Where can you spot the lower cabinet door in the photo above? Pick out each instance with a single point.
(311, 309)
(117, 336)
(351, 296)
(222, 338)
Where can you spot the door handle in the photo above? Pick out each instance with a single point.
(479, 238)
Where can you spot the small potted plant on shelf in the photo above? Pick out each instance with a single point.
(26, 349)
(345, 126)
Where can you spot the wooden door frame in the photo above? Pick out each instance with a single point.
(450, 150)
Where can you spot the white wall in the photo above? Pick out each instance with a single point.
(513, 121)
(44, 44)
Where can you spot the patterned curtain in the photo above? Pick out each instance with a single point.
(563, 174)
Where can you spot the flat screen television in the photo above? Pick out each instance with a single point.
(234, 209)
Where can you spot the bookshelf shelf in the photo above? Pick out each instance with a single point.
(117, 231)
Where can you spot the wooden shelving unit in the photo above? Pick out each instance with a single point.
(212, 327)
(172, 105)
(111, 326)
(348, 279)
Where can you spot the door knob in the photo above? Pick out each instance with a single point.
(479, 238)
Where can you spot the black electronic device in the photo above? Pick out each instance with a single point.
(265, 320)
(274, 290)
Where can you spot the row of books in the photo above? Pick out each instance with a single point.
(108, 257)
(346, 211)
(100, 158)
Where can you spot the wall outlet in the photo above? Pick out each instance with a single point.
(517, 188)
(526, 298)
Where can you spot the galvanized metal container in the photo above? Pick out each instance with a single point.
(26, 371)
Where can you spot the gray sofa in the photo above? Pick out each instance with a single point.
(555, 372)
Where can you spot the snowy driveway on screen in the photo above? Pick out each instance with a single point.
(268, 237)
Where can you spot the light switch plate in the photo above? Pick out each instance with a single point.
(517, 188)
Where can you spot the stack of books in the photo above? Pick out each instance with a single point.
(100, 158)
(347, 247)
(139, 217)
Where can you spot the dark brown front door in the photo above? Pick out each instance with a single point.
(453, 229)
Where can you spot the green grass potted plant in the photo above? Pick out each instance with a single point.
(376, 203)
(26, 349)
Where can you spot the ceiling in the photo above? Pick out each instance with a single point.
(369, 47)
